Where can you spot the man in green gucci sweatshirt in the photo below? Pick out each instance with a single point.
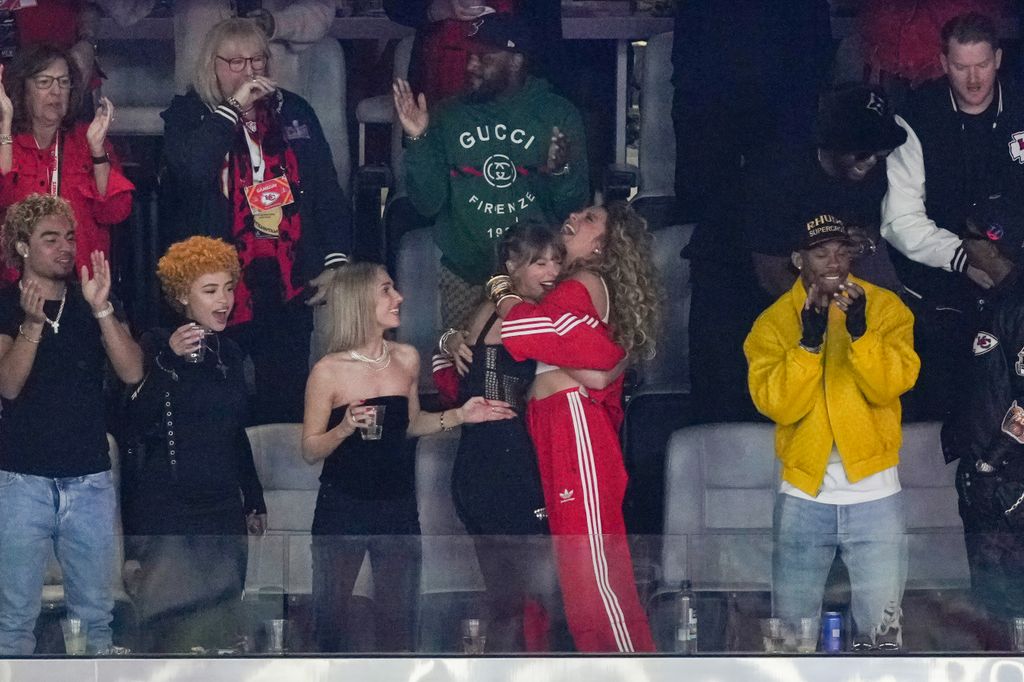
(506, 151)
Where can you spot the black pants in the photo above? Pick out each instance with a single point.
(995, 553)
(942, 339)
(277, 340)
(344, 529)
(725, 302)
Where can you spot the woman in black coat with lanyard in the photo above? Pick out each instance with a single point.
(248, 162)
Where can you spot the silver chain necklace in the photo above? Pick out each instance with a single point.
(383, 360)
(55, 322)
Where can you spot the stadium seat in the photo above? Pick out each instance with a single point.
(721, 482)
(281, 560)
(450, 582)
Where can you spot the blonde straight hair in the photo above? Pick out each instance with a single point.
(351, 306)
(204, 75)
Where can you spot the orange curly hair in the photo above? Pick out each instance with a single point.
(188, 260)
(22, 218)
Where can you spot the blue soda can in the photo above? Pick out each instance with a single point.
(832, 632)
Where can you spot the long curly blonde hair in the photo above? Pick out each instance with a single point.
(627, 267)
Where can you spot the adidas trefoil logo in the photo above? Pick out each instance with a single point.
(567, 495)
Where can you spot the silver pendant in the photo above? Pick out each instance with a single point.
(56, 327)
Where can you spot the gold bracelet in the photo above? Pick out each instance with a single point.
(21, 332)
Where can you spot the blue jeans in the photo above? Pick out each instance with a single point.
(74, 517)
(871, 539)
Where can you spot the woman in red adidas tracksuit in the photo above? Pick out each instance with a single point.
(603, 311)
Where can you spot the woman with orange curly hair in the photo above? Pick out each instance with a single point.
(190, 491)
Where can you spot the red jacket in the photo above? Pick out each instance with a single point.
(566, 330)
(94, 214)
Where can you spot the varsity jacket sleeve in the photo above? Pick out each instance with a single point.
(446, 378)
(562, 194)
(562, 330)
(427, 170)
(974, 429)
(784, 378)
(332, 226)
(300, 24)
(884, 363)
(905, 222)
(196, 140)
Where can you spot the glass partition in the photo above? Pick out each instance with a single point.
(293, 593)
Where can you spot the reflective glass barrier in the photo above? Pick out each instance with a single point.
(295, 593)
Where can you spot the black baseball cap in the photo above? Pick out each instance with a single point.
(502, 31)
(857, 118)
(822, 228)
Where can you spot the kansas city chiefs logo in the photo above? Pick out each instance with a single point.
(984, 342)
(1017, 147)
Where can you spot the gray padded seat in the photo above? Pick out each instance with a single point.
(449, 557)
(719, 495)
(140, 83)
(657, 144)
(450, 581)
(281, 560)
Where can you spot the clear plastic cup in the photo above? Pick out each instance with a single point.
(74, 636)
(474, 636)
(375, 429)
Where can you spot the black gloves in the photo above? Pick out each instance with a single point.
(815, 322)
(856, 319)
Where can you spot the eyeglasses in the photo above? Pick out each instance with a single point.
(46, 82)
(237, 64)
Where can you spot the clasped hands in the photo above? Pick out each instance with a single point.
(850, 298)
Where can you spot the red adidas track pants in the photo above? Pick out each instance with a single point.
(584, 482)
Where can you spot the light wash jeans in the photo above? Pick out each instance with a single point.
(872, 542)
(75, 517)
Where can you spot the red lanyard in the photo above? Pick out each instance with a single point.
(53, 168)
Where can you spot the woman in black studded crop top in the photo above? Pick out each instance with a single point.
(362, 403)
(495, 482)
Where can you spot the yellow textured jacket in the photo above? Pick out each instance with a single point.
(848, 394)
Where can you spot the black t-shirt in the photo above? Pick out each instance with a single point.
(785, 189)
(56, 426)
(977, 141)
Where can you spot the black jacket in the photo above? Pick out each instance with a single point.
(196, 140)
(188, 465)
(974, 431)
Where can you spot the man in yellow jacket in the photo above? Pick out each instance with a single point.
(828, 362)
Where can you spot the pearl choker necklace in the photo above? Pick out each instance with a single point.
(383, 360)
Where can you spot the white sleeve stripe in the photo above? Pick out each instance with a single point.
(528, 325)
(227, 112)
